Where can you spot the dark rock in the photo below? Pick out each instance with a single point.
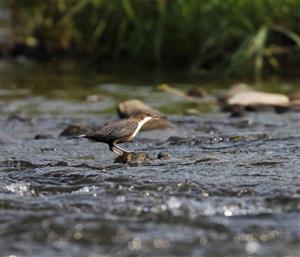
(197, 92)
(164, 156)
(133, 158)
(281, 109)
(43, 136)
(259, 108)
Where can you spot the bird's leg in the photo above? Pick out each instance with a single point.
(122, 149)
(112, 148)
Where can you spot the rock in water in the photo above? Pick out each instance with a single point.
(251, 98)
(133, 158)
(240, 98)
(126, 108)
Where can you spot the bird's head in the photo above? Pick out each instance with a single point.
(144, 116)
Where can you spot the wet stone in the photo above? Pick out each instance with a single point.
(133, 158)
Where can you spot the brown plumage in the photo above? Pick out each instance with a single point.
(120, 131)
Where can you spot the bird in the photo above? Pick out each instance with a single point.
(121, 131)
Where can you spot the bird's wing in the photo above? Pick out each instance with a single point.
(123, 128)
(115, 129)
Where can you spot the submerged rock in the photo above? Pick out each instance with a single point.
(251, 98)
(126, 108)
(133, 158)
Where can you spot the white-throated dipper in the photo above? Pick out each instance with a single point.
(121, 131)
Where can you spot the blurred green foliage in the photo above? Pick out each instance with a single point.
(224, 37)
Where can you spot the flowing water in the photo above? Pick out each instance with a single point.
(226, 187)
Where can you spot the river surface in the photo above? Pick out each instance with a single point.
(226, 187)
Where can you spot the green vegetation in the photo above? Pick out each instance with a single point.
(209, 37)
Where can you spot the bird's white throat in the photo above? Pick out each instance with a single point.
(140, 125)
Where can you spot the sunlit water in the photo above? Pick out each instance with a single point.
(230, 188)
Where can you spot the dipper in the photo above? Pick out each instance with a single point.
(121, 131)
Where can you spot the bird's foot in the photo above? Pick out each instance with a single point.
(122, 149)
(113, 149)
